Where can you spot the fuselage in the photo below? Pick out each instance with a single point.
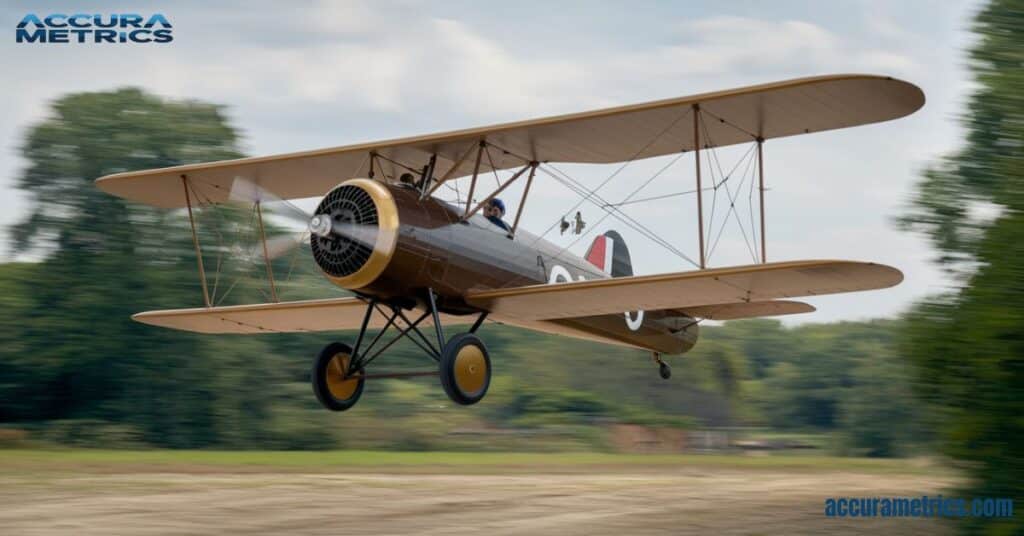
(426, 243)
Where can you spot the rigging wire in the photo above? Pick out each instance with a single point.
(657, 197)
(725, 221)
(586, 194)
(635, 225)
(729, 123)
(579, 188)
(622, 216)
(361, 164)
(395, 163)
(494, 169)
(220, 239)
(244, 234)
(615, 173)
(724, 177)
(713, 158)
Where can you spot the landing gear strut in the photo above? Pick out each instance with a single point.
(664, 370)
(463, 363)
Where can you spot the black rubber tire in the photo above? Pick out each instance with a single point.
(319, 379)
(447, 369)
(665, 371)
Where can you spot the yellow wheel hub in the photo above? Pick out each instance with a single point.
(341, 388)
(470, 370)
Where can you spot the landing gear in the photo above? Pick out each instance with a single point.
(463, 363)
(465, 369)
(336, 385)
(664, 370)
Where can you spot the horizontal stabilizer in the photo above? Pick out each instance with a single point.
(283, 317)
(686, 291)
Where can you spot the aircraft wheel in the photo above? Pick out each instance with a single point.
(465, 369)
(334, 391)
(665, 371)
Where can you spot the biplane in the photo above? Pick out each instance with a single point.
(413, 261)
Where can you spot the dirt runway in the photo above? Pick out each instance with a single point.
(627, 501)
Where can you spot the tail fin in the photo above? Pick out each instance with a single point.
(609, 253)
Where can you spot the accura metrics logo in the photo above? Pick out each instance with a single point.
(98, 28)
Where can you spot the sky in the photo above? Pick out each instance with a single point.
(304, 75)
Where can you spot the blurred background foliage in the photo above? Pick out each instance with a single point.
(74, 369)
(967, 346)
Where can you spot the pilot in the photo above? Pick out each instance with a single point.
(494, 210)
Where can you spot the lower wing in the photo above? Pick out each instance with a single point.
(283, 317)
(717, 294)
(703, 293)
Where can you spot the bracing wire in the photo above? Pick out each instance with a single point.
(615, 173)
(588, 195)
(634, 225)
(629, 220)
(657, 197)
(713, 158)
(714, 166)
(622, 216)
(494, 169)
(731, 213)
(748, 159)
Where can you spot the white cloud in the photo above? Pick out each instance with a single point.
(718, 46)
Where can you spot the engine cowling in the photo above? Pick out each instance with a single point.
(364, 219)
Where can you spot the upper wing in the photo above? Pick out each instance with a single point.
(602, 136)
(282, 317)
(686, 291)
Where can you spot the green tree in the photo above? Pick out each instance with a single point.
(77, 353)
(877, 414)
(968, 345)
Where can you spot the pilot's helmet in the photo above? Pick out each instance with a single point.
(500, 204)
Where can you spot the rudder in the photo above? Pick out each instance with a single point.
(609, 254)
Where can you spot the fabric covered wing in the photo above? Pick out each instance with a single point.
(601, 136)
(736, 311)
(283, 317)
(693, 292)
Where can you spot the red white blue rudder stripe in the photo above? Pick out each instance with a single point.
(609, 253)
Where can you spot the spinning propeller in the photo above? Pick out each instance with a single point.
(324, 226)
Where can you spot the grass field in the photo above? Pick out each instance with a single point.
(177, 460)
(358, 492)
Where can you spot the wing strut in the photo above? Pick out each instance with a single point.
(529, 166)
(195, 242)
(760, 174)
(700, 192)
(472, 184)
(266, 254)
(522, 202)
(452, 171)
